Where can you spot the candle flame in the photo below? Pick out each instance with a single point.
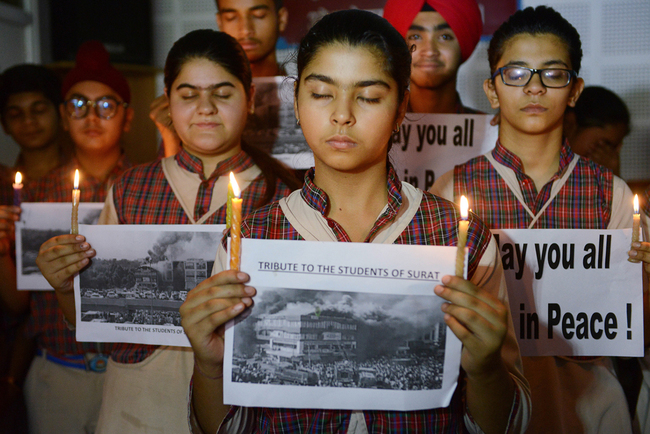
(19, 178)
(464, 206)
(76, 179)
(636, 204)
(235, 186)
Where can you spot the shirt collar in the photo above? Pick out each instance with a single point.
(318, 200)
(509, 159)
(237, 163)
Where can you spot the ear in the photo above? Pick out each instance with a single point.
(576, 90)
(64, 118)
(491, 93)
(295, 101)
(128, 118)
(283, 19)
(251, 99)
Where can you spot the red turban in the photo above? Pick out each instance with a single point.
(463, 16)
(92, 64)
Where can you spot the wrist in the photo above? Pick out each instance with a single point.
(210, 374)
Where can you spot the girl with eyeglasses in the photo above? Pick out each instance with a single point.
(208, 82)
(351, 93)
(532, 180)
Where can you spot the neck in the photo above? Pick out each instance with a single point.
(442, 99)
(38, 162)
(539, 153)
(98, 164)
(355, 199)
(211, 161)
(267, 67)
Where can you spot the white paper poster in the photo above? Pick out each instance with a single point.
(134, 286)
(573, 292)
(38, 223)
(342, 325)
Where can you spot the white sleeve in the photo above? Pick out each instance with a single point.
(622, 205)
(109, 213)
(444, 186)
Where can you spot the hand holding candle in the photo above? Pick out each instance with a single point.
(636, 224)
(235, 227)
(18, 186)
(75, 204)
(463, 225)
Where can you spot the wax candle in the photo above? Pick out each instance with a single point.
(636, 224)
(463, 225)
(75, 204)
(231, 194)
(235, 226)
(18, 186)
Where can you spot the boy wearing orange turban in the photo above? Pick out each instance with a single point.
(444, 34)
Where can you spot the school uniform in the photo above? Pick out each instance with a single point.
(410, 217)
(64, 385)
(146, 385)
(570, 395)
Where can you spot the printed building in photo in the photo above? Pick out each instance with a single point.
(196, 271)
(309, 338)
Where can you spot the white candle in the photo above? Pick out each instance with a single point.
(18, 186)
(75, 204)
(235, 226)
(463, 225)
(636, 225)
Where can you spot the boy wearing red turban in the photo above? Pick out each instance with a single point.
(444, 34)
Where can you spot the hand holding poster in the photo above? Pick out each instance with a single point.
(38, 223)
(573, 292)
(342, 325)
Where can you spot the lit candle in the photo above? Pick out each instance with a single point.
(463, 225)
(235, 227)
(18, 186)
(231, 194)
(636, 224)
(75, 204)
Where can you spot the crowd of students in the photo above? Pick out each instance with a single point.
(554, 166)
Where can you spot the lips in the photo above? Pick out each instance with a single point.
(533, 108)
(249, 44)
(92, 132)
(341, 142)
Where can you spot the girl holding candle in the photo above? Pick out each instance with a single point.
(351, 93)
(208, 82)
(532, 180)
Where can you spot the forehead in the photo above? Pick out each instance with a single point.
(347, 64)
(92, 90)
(202, 73)
(535, 50)
(244, 5)
(25, 99)
(429, 21)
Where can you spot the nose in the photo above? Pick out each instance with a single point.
(342, 114)
(246, 27)
(534, 85)
(206, 105)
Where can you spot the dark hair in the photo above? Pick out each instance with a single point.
(536, 21)
(225, 51)
(29, 78)
(278, 4)
(218, 47)
(358, 28)
(598, 107)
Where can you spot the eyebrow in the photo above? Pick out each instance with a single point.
(254, 8)
(418, 28)
(545, 64)
(211, 87)
(330, 80)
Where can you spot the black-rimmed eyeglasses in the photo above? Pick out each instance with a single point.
(520, 76)
(105, 107)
